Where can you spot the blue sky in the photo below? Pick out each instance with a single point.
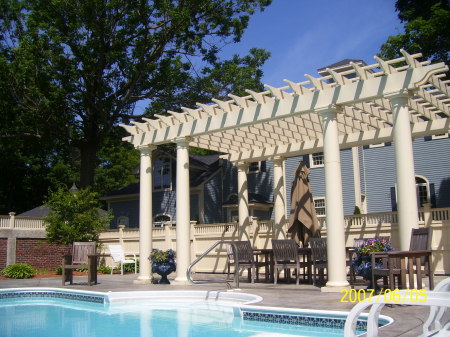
(304, 35)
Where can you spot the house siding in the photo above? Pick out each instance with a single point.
(317, 179)
(432, 161)
(213, 199)
(379, 163)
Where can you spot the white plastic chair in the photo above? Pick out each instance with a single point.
(118, 256)
(438, 300)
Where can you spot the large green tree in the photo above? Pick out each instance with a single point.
(90, 61)
(70, 71)
(426, 30)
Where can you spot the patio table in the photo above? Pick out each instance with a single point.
(267, 255)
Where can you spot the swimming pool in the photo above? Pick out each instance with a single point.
(49, 312)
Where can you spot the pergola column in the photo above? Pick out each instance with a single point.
(183, 210)
(244, 215)
(279, 197)
(337, 274)
(404, 166)
(145, 213)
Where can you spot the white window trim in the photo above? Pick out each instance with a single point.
(427, 185)
(440, 136)
(374, 146)
(324, 207)
(255, 171)
(311, 161)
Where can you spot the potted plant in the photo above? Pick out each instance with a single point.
(163, 263)
(362, 264)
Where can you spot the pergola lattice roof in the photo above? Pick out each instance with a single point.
(286, 121)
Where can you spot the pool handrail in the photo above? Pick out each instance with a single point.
(235, 254)
(438, 300)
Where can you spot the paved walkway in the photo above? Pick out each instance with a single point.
(408, 319)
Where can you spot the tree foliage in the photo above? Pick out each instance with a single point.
(93, 60)
(74, 216)
(73, 70)
(426, 30)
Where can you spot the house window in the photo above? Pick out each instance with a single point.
(423, 191)
(316, 159)
(254, 167)
(319, 205)
(123, 221)
(160, 219)
(162, 174)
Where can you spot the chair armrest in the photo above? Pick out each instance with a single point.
(379, 254)
(130, 254)
(407, 253)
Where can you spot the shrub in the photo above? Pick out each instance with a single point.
(104, 269)
(19, 271)
(74, 217)
(58, 270)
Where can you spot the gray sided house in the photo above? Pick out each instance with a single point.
(368, 176)
(213, 192)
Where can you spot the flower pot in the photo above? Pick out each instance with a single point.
(163, 269)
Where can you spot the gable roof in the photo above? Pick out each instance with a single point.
(205, 166)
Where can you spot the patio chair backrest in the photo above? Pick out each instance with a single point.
(244, 251)
(318, 249)
(81, 250)
(420, 239)
(116, 252)
(285, 250)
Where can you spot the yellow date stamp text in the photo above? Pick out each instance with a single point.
(389, 296)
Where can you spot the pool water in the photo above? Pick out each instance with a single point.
(48, 317)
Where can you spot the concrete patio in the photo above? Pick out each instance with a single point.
(407, 319)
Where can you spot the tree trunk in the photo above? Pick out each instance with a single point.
(88, 153)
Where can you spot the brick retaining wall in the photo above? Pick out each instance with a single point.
(3, 252)
(39, 253)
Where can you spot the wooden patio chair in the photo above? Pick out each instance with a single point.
(244, 258)
(399, 264)
(319, 257)
(285, 256)
(83, 257)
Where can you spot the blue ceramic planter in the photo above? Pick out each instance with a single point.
(163, 269)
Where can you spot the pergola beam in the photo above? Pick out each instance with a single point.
(421, 129)
(291, 105)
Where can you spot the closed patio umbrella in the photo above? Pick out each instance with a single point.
(303, 222)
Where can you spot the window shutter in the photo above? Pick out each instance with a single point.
(393, 200)
(432, 196)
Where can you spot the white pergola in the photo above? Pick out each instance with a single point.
(396, 100)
